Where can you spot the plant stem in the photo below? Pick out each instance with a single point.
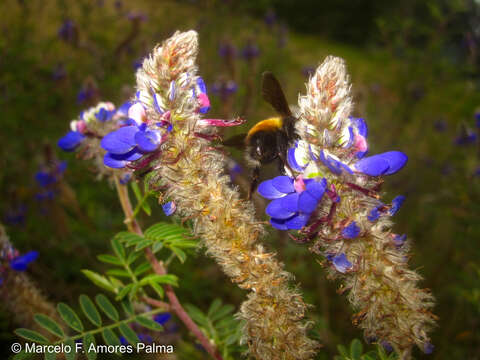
(175, 305)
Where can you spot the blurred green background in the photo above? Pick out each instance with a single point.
(414, 66)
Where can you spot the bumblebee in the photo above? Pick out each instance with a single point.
(268, 140)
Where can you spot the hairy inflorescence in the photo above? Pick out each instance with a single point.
(183, 162)
(331, 194)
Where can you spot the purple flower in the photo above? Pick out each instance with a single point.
(227, 50)
(399, 240)
(169, 208)
(440, 125)
(351, 231)
(270, 17)
(200, 90)
(123, 340)
(67, 31)
(21, 262)
(386, 163)
(103, 114)
(162, 318)
(250, 51)
(293, 200)
(386, 345)
(333, 164)
(129, 143)
(374, 214)
(59, 72)
(465, 137)
(396, 205)
(341, 263)
(16, 215)
(70, 141)
(224, 89)
(428, 348)
(308, 71)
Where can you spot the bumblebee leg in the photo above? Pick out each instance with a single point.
(254, 181)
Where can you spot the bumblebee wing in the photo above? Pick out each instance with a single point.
(236, 141)
(273, 94)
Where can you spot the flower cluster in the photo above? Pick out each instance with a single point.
(20, 297)
(90, 128)
(192, 173)
(352, 227)
(47, 179)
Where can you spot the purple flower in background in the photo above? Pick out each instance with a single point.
(308, 71)
(294, 200)
(477, 119)
(428, 348)
(118, 4)
(85, 94)
(169, 208)
(250, 51)
(351, 231)
(162, 318)
(67, 31)
(224, 89)
(59, 72)
(270, 17)
(200, 91)
(341, 263)
(227, 50)
(16, 215)
(465, 137)
(137, 16)
(20, 263)
(386, 345)
(282, 36)
(440, 125)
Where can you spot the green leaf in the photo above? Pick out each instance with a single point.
(143, 244)
(22, 355)
(118, 248)
(70, 317)
(133, 291)
(31, 335)
(179, 253)
(197, 315)
(110, 337)
(129, 334)
(146, 206)
(158, 289)
(50, 355)
(125, 290)
(90, 310)
(89, 339)
(342, 350)
(72, 354)
(356, 349)
(162, 279)
(132, 257)
(109, 259)
(129, 238)
(155, 231)
(224, 311)
(118, 272)
(214, 307)
(107, 307)
(49, 324)
(157, 246)
(127, 307)
(136, 190)
(140, 269)
(149, 323)
(99, 280)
